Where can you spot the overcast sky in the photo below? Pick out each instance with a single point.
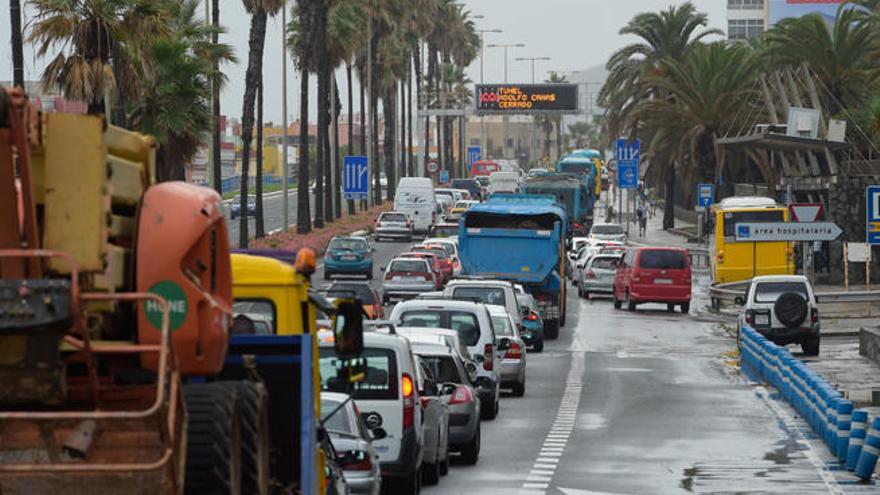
(576, 34)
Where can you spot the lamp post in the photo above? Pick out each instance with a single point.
(532, 60)
(482, 44)
(505, 46)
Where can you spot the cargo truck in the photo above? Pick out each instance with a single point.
(521, 238)
(570, 192)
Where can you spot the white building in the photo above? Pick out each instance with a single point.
(746, 18)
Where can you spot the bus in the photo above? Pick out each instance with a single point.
(734, 261)
(484, 168)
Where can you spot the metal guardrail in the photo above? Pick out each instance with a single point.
(699, 258)
(728, 292)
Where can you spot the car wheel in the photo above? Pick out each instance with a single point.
(327, 275)
(431, 473)
(470, 453)
(587, 295)
(670, 307)
(810, 346)
(686, 307)
(551, 329)
(519, 389)
(444, 466)
(539, 346)
(617, 303)
(630, 304)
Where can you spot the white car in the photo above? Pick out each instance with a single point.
(513, 360)
(498, 292)
(783, 308)
(608, 232)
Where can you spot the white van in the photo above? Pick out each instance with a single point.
(505, 182)
(415, 198)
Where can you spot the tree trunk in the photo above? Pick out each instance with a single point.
(260, 227)
(363, 118)
(320, 42)
(374, 114)
(252, 80)
(328, 172)
(350, 203)
(669, 193)
(558, 139)
(337, 173)
(118, 115)
(390, 151)
(402, 166)
(429, 84)
(17, 43)
(216, 155)
(303, 207)
(410, 171)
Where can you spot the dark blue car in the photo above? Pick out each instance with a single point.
(348, 256)
(251, 207)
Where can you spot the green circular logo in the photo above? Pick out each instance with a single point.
(177, 305)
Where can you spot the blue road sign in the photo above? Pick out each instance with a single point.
(872, 200)
(355, 177)
(444, 177)
(627, 155)
(474, 153)
(705, 195)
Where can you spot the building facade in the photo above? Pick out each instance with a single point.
(746, 19)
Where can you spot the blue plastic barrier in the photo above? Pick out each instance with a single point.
(844, 427)
(870, 451)
(857, 435)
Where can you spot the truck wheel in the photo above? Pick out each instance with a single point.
(539, 346)
(686, 307)
(255, 474)
(810, 346)
(213, 455)
(551, 329)
(470, 453)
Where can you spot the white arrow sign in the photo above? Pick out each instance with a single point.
(786, 231)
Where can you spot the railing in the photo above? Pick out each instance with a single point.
(729, 292)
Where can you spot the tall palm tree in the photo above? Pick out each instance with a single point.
(301, 42)
(17, 43)
(215, 102)
(670, 33)
(259, 10)
(258, 186)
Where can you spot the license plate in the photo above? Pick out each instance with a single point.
(349, 257)
(762, 319)
(406, 279)
(665, 281)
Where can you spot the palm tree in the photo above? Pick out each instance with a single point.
(301, 42)
(17, 43)
(215, 101)
(670, 33)
(259, 10)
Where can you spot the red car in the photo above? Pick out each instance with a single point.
(484, 167)
(446, 263)
(431, 258)
(653, 275)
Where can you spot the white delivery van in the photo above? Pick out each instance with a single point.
(503, 182)
(415, 198)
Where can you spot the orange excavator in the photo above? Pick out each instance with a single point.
(115, 297)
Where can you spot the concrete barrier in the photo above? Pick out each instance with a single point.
(823, 407)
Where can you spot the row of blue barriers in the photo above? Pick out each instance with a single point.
(830, 415)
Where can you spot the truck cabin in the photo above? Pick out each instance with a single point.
(569, 192)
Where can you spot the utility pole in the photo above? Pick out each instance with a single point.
(286, 167)
(482, 119)
(505, 46)
(532, 60)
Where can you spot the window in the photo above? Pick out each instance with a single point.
(731, 218)
(361, 291)
(745, 4)
(418, 266)
(393, 217)
(662, 259)
(604, 263)
(466, 324)
(475, 141)
(488, 295)
(502, 325)
(742, 29)
(380, 377)
(343, 244)
(767, 292)
(339, 421)
(509, 143)
(443, 368)
(608, 229)
(253, 317)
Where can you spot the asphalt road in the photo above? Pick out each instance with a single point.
(640, 403)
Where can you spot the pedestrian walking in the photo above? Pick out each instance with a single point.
(642, 213)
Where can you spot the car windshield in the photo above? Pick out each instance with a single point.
(436, 251)
(767, 292)
(466, 324)
(443, 368)
(663, 259)
(445, 193)
(607, 229)
(361, 291)
(412, 265)
(502, 325)
(488, 295)
(253, 317)
(340, 244)
(444, 230)
(393, 217)
(339, 421)
(380, 377)
(604, 263)
(463, 204)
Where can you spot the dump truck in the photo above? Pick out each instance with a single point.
(117, 370)
(570, 192)
(531, 232)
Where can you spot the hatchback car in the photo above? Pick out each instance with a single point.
(406, 278)
(433, 262)
(235, 209)
(348, 256)
(597, 276)
(783, 308)
(513, 360)
(461, 399)
(393, 225)
(653, 275)
(444, 260)
(366, 294)
(451, 247)
(353, 442)
(608, 232)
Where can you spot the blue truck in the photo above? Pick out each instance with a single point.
(520, 238)
(570, 192)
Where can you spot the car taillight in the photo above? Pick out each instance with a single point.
(532, 317)
(814, 315)
(488, 365)
(389, 276)
(750, 317)
(428, 276)
(462, 395)
(590, 274)
(514, 352)
(409, 402)
(354, 460)
(576, 225)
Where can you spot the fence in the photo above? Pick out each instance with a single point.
(828, 413)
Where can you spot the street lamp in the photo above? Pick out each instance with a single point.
(531, 59)
(482, 32)
(506, 46)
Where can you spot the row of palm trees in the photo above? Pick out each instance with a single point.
(156, 66)
(679, 90)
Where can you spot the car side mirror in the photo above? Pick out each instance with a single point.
(739, 301)
(378, 433)
(503, 344)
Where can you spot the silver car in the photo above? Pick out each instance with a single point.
(393, 225)
(464, 405)
(608, 232)
(597, 275)
(406, 278)
(353, 442)
(513, 358)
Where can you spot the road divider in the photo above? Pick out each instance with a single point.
(824, 408)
